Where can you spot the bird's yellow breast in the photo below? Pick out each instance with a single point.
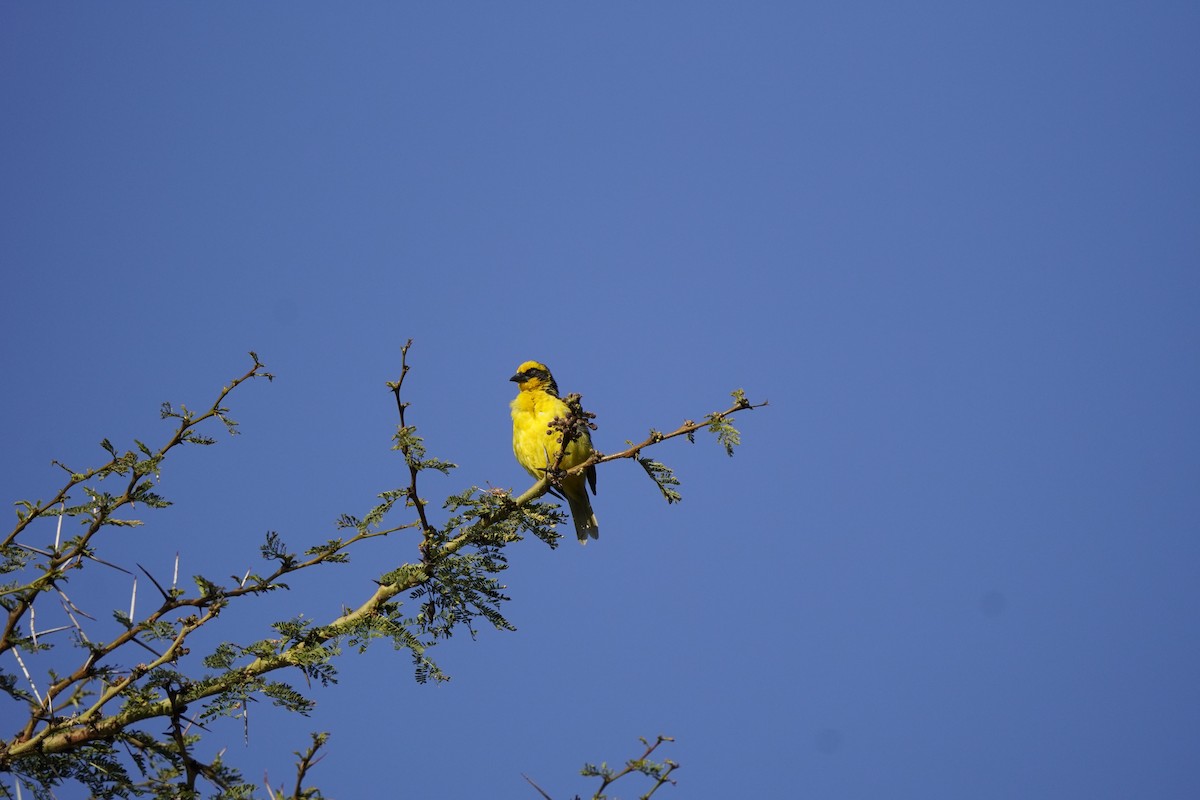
(534, 443)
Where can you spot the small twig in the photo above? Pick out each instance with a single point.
(427, 530)
(145, 646)
(308, 760)
(655, 437)
(534, 785)
(158, 586)
(105, 563)
(69, 608)
(189, 763)
(637, 765)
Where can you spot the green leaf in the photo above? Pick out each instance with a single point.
(726, 434)
(663, 477)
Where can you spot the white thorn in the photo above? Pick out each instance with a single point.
(58, 532)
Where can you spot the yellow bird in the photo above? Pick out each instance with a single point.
(536, 444)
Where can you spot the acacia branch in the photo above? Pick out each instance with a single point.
(101, 513)
(187, 422)
(74, 732)
(660, 772)
(92, 725)
(211, 605)
(687, 428)
(427, 530)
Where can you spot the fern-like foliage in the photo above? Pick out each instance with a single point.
(663, 477)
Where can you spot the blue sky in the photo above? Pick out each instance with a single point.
(955, 246)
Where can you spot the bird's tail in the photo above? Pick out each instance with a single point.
(585, 519)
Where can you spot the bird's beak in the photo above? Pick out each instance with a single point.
(518, 378)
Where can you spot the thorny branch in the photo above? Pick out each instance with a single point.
(19, 601)
(45, 733)
(427, 530)
(687, 428)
